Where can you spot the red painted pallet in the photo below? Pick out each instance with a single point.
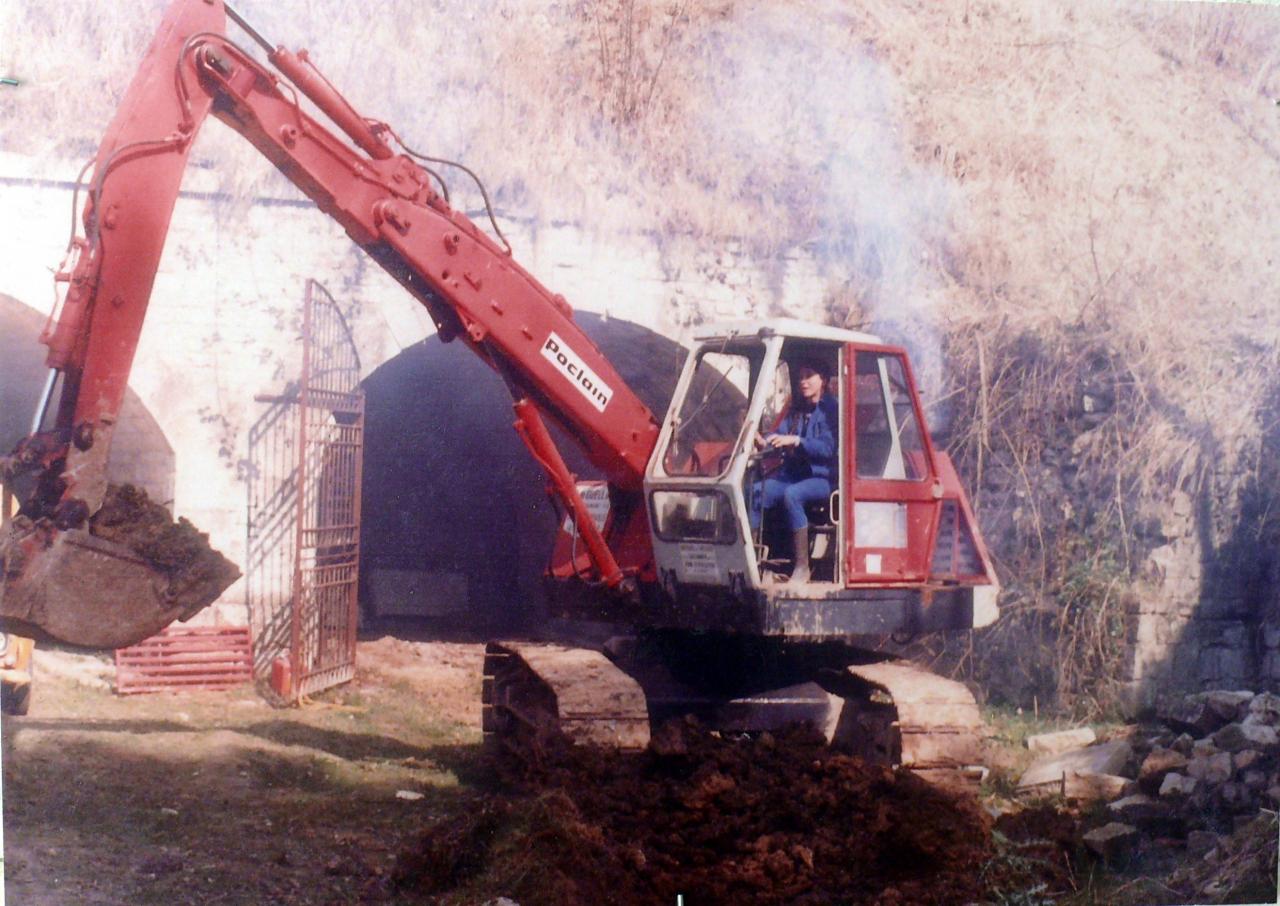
(186, 657)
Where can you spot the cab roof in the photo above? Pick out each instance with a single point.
(785, 327)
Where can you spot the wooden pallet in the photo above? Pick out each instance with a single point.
(186, 657)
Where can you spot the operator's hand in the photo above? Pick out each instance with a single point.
(782, 441)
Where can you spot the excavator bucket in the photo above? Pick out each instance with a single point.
(126, 578)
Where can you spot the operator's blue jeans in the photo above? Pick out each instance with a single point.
(792, 496)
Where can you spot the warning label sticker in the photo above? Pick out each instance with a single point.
(595, 496)
(557, 351)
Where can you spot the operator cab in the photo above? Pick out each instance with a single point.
(707, 485)
(889, 535)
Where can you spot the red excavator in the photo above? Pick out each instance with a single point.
(674, 543)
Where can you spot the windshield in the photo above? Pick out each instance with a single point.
(712, 413)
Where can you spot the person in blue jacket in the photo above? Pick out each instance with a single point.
(806, 437)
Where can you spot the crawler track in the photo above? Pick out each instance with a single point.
(890, 713)
(533, 692)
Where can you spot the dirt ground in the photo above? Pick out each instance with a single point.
(378, 792)
(220, 798)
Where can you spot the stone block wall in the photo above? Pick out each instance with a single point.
(224, 323)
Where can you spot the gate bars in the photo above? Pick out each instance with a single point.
(304, 512)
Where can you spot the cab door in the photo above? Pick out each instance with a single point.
(890, 508)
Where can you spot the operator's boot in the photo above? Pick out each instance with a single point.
(800, 572)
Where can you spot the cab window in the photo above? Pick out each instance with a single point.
(711, 415)
(887, 438)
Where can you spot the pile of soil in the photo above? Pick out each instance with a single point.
(775, 819)
(197, 574)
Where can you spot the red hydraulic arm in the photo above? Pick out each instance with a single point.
(386, 202)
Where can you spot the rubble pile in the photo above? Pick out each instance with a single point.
(1203, 782)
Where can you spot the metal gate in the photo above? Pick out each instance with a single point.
(304, 512)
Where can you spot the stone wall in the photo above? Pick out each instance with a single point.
(224, 322)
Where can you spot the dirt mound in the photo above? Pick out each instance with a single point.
(776, 819)
(1036, 848)
(197, 573)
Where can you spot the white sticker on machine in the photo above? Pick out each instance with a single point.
(698, 563)
(595, 497)
(557, 352)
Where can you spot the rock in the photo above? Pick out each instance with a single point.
(1061, 741)
(1246, 759)
(1113, 842)
(1189, 714)
(1183, 744)
(1094, 787)
(1236, 797)
(1229, 706)
(1255, 780)
(1264, 708)
(1273, 793)
(1177, 785)
(1156, 765)
(1146, 812)
(1235, 737)
(1203, 748)
(1212, 770)
(1108, 758)
(1201, 843)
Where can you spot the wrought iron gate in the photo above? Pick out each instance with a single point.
(304, 512)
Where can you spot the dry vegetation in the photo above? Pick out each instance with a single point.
(1069, 203)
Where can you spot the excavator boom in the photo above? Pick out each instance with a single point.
(389, 205)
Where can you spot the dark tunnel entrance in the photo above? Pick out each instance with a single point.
(140, 453)
(456, 527)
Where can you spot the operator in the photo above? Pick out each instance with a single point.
(806, 436)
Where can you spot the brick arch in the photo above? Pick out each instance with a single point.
(140, 453)
(455, 521)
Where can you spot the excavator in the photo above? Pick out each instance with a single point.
(669, 542)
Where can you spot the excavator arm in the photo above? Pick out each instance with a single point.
(391, 206)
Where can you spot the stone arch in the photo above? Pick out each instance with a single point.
(455, 522)
(140, 452)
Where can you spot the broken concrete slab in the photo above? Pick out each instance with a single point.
(1107, 758)
(1094, 787)
(1062, 741)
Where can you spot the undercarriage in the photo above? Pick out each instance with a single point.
(885, 711)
